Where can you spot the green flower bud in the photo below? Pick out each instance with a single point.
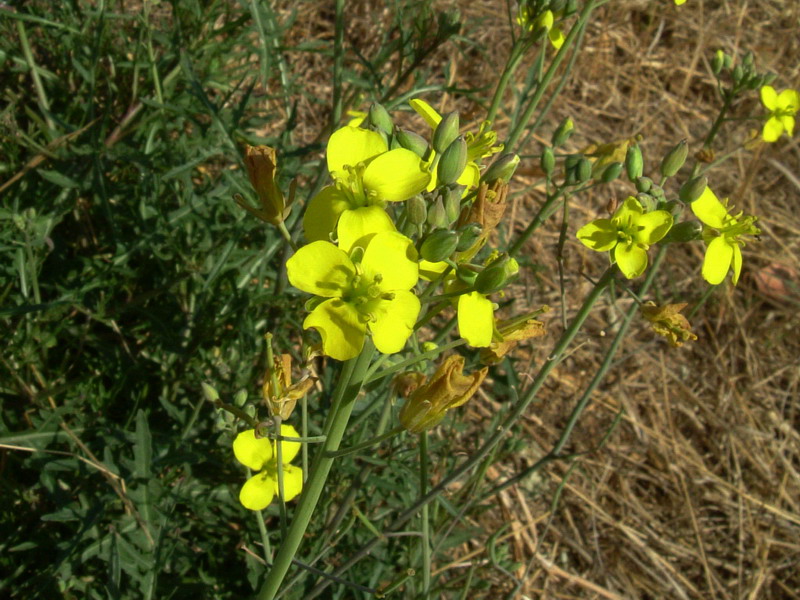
(503, 168)
(643, 184)
(497, 275)
(572, 161)
(209, 392)
(674, 159)
(446, 132)
(570, 8)
(738, 73)
(466, 275)
(717, 62)
(611, 172)
(417, 210)
(693, 189)
(548, 161)
(634, 163)
(437, 216)
(688, 231)
(468, 235)
(648, 203)
(562, 132)
(439, 245)
(673, 207)
(584, 169)
(453, 161)
(557, 5)
(240, 398)
(452, 202)
(657, 192)
(411, 141)
(728, 61)
(380, 119)
(769, 78)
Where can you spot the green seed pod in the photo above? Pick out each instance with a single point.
(548, 161)
(446, 132)
(562, 132)
(380, 119)
(718, 62)
(437, 215)
(503, 168)
(611, 172)
(497, 275)
(674, 159)
(467, 236)
(439, 245)
(453, 161)
(688, 231)
(634, 163)
(643, 184)
(584, 169)
(693, 189)
(411, 141)
(417, 210)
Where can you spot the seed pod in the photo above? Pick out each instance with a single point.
(439, 245)
(693, 189)
(446, 132)
(452, 202)
(437, 215)
(497, 275)
(380, 119)
(503, 168)
(611, 172)
(453, 161)
(584, 169)
(674, 159)
(634, 163)
(411, 141)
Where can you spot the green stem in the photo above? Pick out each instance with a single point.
(344, 397)
(366, 444)
(338, 64)
(262, 528)
(415, 359)
(514, 57)
(426, 533)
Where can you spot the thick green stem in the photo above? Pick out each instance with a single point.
(347, 389)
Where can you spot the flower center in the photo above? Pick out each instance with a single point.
(352, 187)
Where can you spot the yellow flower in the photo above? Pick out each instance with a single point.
(723, 234)
(627, 235)
(782, 108)
(475, 319)
(260, 454)
(366, 175)
(679, 2)
(668, 321)
(354, 297)
(448, 388)
(546, 19)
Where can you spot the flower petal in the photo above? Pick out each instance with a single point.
(476, 319)
(788, 124)
(773, 129)
(769, 97)
(789, 100)
(631, 259)
(252, 452)
(426, 111)
(394, 321)
(392, 256)
(736, 263)
(630, 210)
(292, 482)
(470, 177)
(653, 226)
(258, 491)
(599, 235)
(320, 268)
(719, 255)
(340, 326)
(709, 209)
(322, 214)
(396, 175)
(289, 449)
(431, 270)
(556, 37)
(352, 145)
(356, 227)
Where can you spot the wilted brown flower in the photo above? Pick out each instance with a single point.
(281, 401)
(668, 321)
(262, 164)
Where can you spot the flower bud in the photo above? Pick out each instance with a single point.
(688, 231)
(453, 161)
(674, 159)
(446, 132)
(738, 73)
(673, 207)
(468, 235)
(611, 172)
(380, 119)
(562, 132)
(548, 161)
(439, 245)
(634, 163)
(657, 192)
(503, 168)
(693, 189)
(210, 393)
(437, 215)
(570, 8)
(584, 170)
(416, 210)
(262, 163)
(240, 397)
(411, 141)
(718, 62)
(643, 184)
(648, 203)
(452, 202)
(497, 275)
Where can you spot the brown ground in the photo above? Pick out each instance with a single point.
(697, 493)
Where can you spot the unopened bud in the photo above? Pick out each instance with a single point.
(584, 170)
(452, 202)
(643, 184)
(380, 119)
(648, 203)
(548, 161)
(446, 132)
(416, 210)
(240, 397)
(570, 8)
(467, 236)
(674, 159)
(411, 141)
(738, 73)
(693, 189)
(453, 161)
(437, 215)
(497, 275)
(562, 132)
(262, 164)
(439, 245)
(634, 163)
(673, 207)
(718, 62)
(210, 393)
(611, 172)
(688, 231)
(503, 168)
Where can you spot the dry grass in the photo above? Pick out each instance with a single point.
(697, 494)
